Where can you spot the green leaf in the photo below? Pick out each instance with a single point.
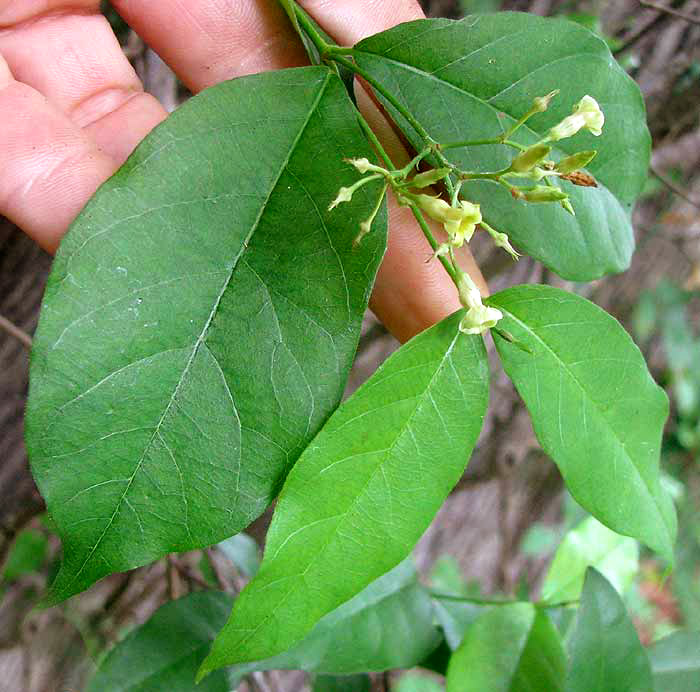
(387, 625)
(456, 616)
(243, 552)
(510, 648)
(467, 80)
(165, 652)
(675, 662)
(27, 554)
(411, 682)
(199, 323)
(446, 577)
(606, 655)
(590, 544)
(594, 406)
(341, 683)
(364, 491)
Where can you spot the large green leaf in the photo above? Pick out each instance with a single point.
(590, 544)
(387, 625)
(199, 323)
(364, 491)
(165, 652)
(606, 655)
(675, 662)
(595, 409)
(510, 648)
(466, 80)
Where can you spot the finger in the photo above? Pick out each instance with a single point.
(49, 167)
(76, 62)
(349, 21)
(206, 42)
(412, 291)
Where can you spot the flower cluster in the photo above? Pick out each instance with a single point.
(461, 218)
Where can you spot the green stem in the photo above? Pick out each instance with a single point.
(377, 86)
(494, 175)
(416, 212)
(337, 54)
(433, 243)
(305, 22)
(516, 126)
(374, 140)
(481, 142)
(338, 57)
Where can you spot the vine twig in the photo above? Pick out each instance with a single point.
(670, 10)
(676, 189)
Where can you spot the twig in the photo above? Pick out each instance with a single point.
(190, 574)
(14, 330)
(670, 10)
(676, 189)
(221, 579)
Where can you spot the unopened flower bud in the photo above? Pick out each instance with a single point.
(437, 208)
(541, 103)
(501, 240)
(528, 159)
(362, 165)
(479, 318)
(429, 177)
(365, 228)
(545, 193)
(344, 195)
(566, 204)
(575, 162)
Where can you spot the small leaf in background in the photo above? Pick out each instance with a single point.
(510, 648)
(590, 544)
(461, 81)
(364, 491)
(188, 350)
(605, 652)
(243, 552)
(456, 615)
(539, 540)
(594, 406)
(27, 554)
(387, 625)
(413, 682)
(446, 578)
(341, 683)
(165, 652)
(675, 662)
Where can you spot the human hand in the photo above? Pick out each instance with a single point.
(72, 109)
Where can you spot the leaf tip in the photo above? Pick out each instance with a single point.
(204, 670)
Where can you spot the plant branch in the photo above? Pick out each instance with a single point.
(671, 11)
(676, 189)
(433, 243)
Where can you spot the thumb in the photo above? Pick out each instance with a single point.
(349, 21)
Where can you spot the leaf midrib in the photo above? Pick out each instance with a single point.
(595, 405)
(202, 336)
(334, 532)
